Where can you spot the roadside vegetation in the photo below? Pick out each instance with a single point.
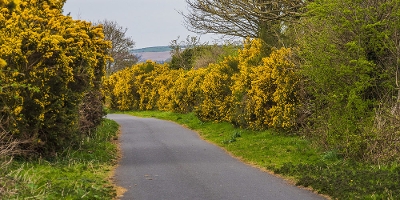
(54, 142)
(74, 173)
(312, 93)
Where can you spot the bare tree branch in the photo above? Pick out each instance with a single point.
(121, 46)
(241, 18)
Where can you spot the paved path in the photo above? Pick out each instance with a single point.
(163, 160)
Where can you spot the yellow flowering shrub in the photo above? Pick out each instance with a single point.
(151, 81)
(195, 94)
(216, 91)
(186, 93)
(247, 90)
(147, 86)
(247, 59)
(145, 83)
(49, 63)
(120, 91)
(272, 94)
(173, 93)
(166, 81)
(137, 87)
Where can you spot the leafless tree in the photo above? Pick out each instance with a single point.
(265, 19)
(121, 46)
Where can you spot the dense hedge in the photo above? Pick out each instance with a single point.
(49, 63)
(246, 89)
(350, 53)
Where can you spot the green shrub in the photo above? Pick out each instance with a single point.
(349, 64)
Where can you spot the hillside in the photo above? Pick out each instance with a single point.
(152, 49)
(159, 54)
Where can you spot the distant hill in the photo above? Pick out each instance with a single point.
(159, 54)
(152, 49)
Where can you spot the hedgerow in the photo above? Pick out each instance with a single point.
(245, 89)
(350, 54)
(49, 64)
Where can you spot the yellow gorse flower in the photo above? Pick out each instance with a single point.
(48, 62)
(243, 89)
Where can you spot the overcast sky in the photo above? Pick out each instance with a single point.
(149, 22)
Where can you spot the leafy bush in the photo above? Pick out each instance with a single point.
(350, 62)
(216, 91)
(347, 180)
(191, 54)
(185, 92)
(49, 64)
(209, 54)
(246, 89)
(265, 91)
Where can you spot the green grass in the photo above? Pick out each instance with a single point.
(295, 158)
(73, 174)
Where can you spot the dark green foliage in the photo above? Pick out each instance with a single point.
(347, 180)
(183, 52)
(233, 138)
(191, 54)
(182, 61)
(348, 61)
(11, 5)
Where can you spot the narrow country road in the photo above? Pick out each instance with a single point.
(163, 160)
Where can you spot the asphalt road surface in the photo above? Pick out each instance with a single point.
(163, 160)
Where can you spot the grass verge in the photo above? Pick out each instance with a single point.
(74, 174)
(296, 159)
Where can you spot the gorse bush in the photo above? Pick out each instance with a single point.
(245, 89)
(265, 90)
(135, 88)
(49, 63)
(216, 91)
(179, 90)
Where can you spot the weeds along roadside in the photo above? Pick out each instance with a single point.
(73, 174)
(296, 159)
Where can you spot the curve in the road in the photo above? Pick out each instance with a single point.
(163, 160)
